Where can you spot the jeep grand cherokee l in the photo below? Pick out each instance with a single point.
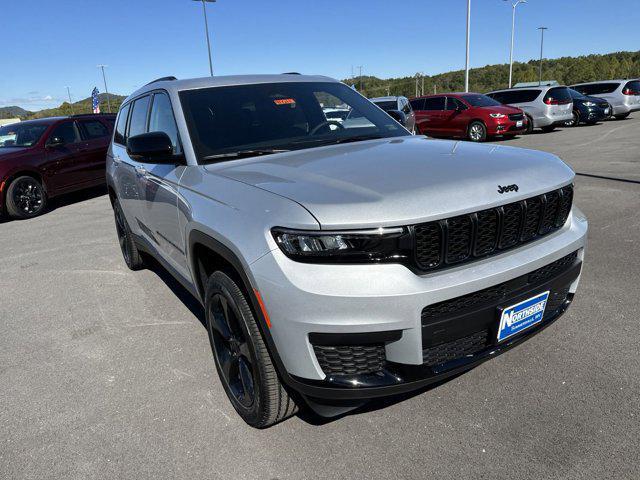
(338, 264)
(40, 159)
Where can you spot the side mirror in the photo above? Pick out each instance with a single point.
(398, 116)
(154, 147)
(55, 142)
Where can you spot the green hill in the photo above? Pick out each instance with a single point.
(82, 106)
(14, 112)
(566, 70)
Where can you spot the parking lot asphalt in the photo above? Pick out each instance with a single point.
(107, 373)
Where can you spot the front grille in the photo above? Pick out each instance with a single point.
(514, 117)
(451, 241)
(458, 348)
(350, 359)
(495, 293)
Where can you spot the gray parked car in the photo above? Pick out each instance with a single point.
(546, 107)
(622, 95)
(338, 264)
(399, 104)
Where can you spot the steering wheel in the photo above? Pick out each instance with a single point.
(326, 123)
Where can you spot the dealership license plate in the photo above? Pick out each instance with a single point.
(519, 123)
(523, 315)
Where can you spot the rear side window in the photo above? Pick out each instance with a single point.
(68, 132)
(597, 88)
(558, 96)
(121, 126)
(162, 119)
(435, 103)
(417, 103)
(94, 129)
(454, 104)
(138, 122)
(632, 88)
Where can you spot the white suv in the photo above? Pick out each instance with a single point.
(338, 264)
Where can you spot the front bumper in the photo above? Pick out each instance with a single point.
(506, 127)
(308, 299)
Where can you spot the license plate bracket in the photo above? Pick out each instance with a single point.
(521, 316)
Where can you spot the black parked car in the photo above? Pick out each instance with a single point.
(587, 109)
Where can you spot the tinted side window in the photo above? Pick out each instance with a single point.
(138, 122)
(516, 96)
(68, 132)
(94, 129)
(417, 103)
(598, 88)
(162, 119)
(436, 103)
(454, 103)
(121, 126)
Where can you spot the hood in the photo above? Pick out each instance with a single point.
(505, 109)
(399, 181)
(596, 100)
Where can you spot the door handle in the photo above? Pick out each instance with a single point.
(141, 170)
(117, 159)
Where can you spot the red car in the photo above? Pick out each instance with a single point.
(40, 159)
(466, 115)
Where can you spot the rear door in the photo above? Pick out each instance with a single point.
(160, 181)
(455, 119)
(66, 159)
(96, 136)
(433, 115)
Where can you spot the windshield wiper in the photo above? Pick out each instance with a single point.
(245, 153)
(337, 140)
(359, 138)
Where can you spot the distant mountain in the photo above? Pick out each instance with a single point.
(82, 106)
(14, 112)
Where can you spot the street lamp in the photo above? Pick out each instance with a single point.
(206, 30)
(542, 29)
(106, 90)
(70, 102)
(466, 68)
(513, 30)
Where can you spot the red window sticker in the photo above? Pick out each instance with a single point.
(284, 101)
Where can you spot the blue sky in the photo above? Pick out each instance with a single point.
(48, 45)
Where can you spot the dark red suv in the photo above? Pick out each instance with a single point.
(40, 159)
(466, 115)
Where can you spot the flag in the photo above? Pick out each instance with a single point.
(95, 100)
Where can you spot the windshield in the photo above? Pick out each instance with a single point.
(387, 105)
(481, 101)
(21, 135)
(576, 94)
(277, 117)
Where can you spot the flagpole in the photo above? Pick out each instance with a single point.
(106, 90)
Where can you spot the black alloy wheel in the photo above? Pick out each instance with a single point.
(25, 198)
(575, 120)
(128, 247)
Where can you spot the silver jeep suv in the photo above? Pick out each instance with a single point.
(338, 264)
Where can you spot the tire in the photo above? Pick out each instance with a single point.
(575, 120)
(548, 128)
(241, 357)
(529, 126)
(477, 132)
(25, 198)
(130, 252)
(622, 116)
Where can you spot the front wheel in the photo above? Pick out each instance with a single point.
(26, 198)
(477, 132)
(575, 120)
(241, 357)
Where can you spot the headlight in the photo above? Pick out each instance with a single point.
(497, 115)
(589, 104)
(349, 246)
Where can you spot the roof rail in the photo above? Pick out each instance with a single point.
(162, 79)
(291, 73)
(89, 114)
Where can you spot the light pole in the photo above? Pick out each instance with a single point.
(360, 76)
(106, 90)
(513, 30)
(466, 68)
(542, 29)
(206, 30)
(70, 102)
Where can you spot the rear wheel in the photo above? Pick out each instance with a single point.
(128, 246)
(548, 128)
(622, 116)
(241, 357)
(575, 120)
(26, 198)
(477, 132)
